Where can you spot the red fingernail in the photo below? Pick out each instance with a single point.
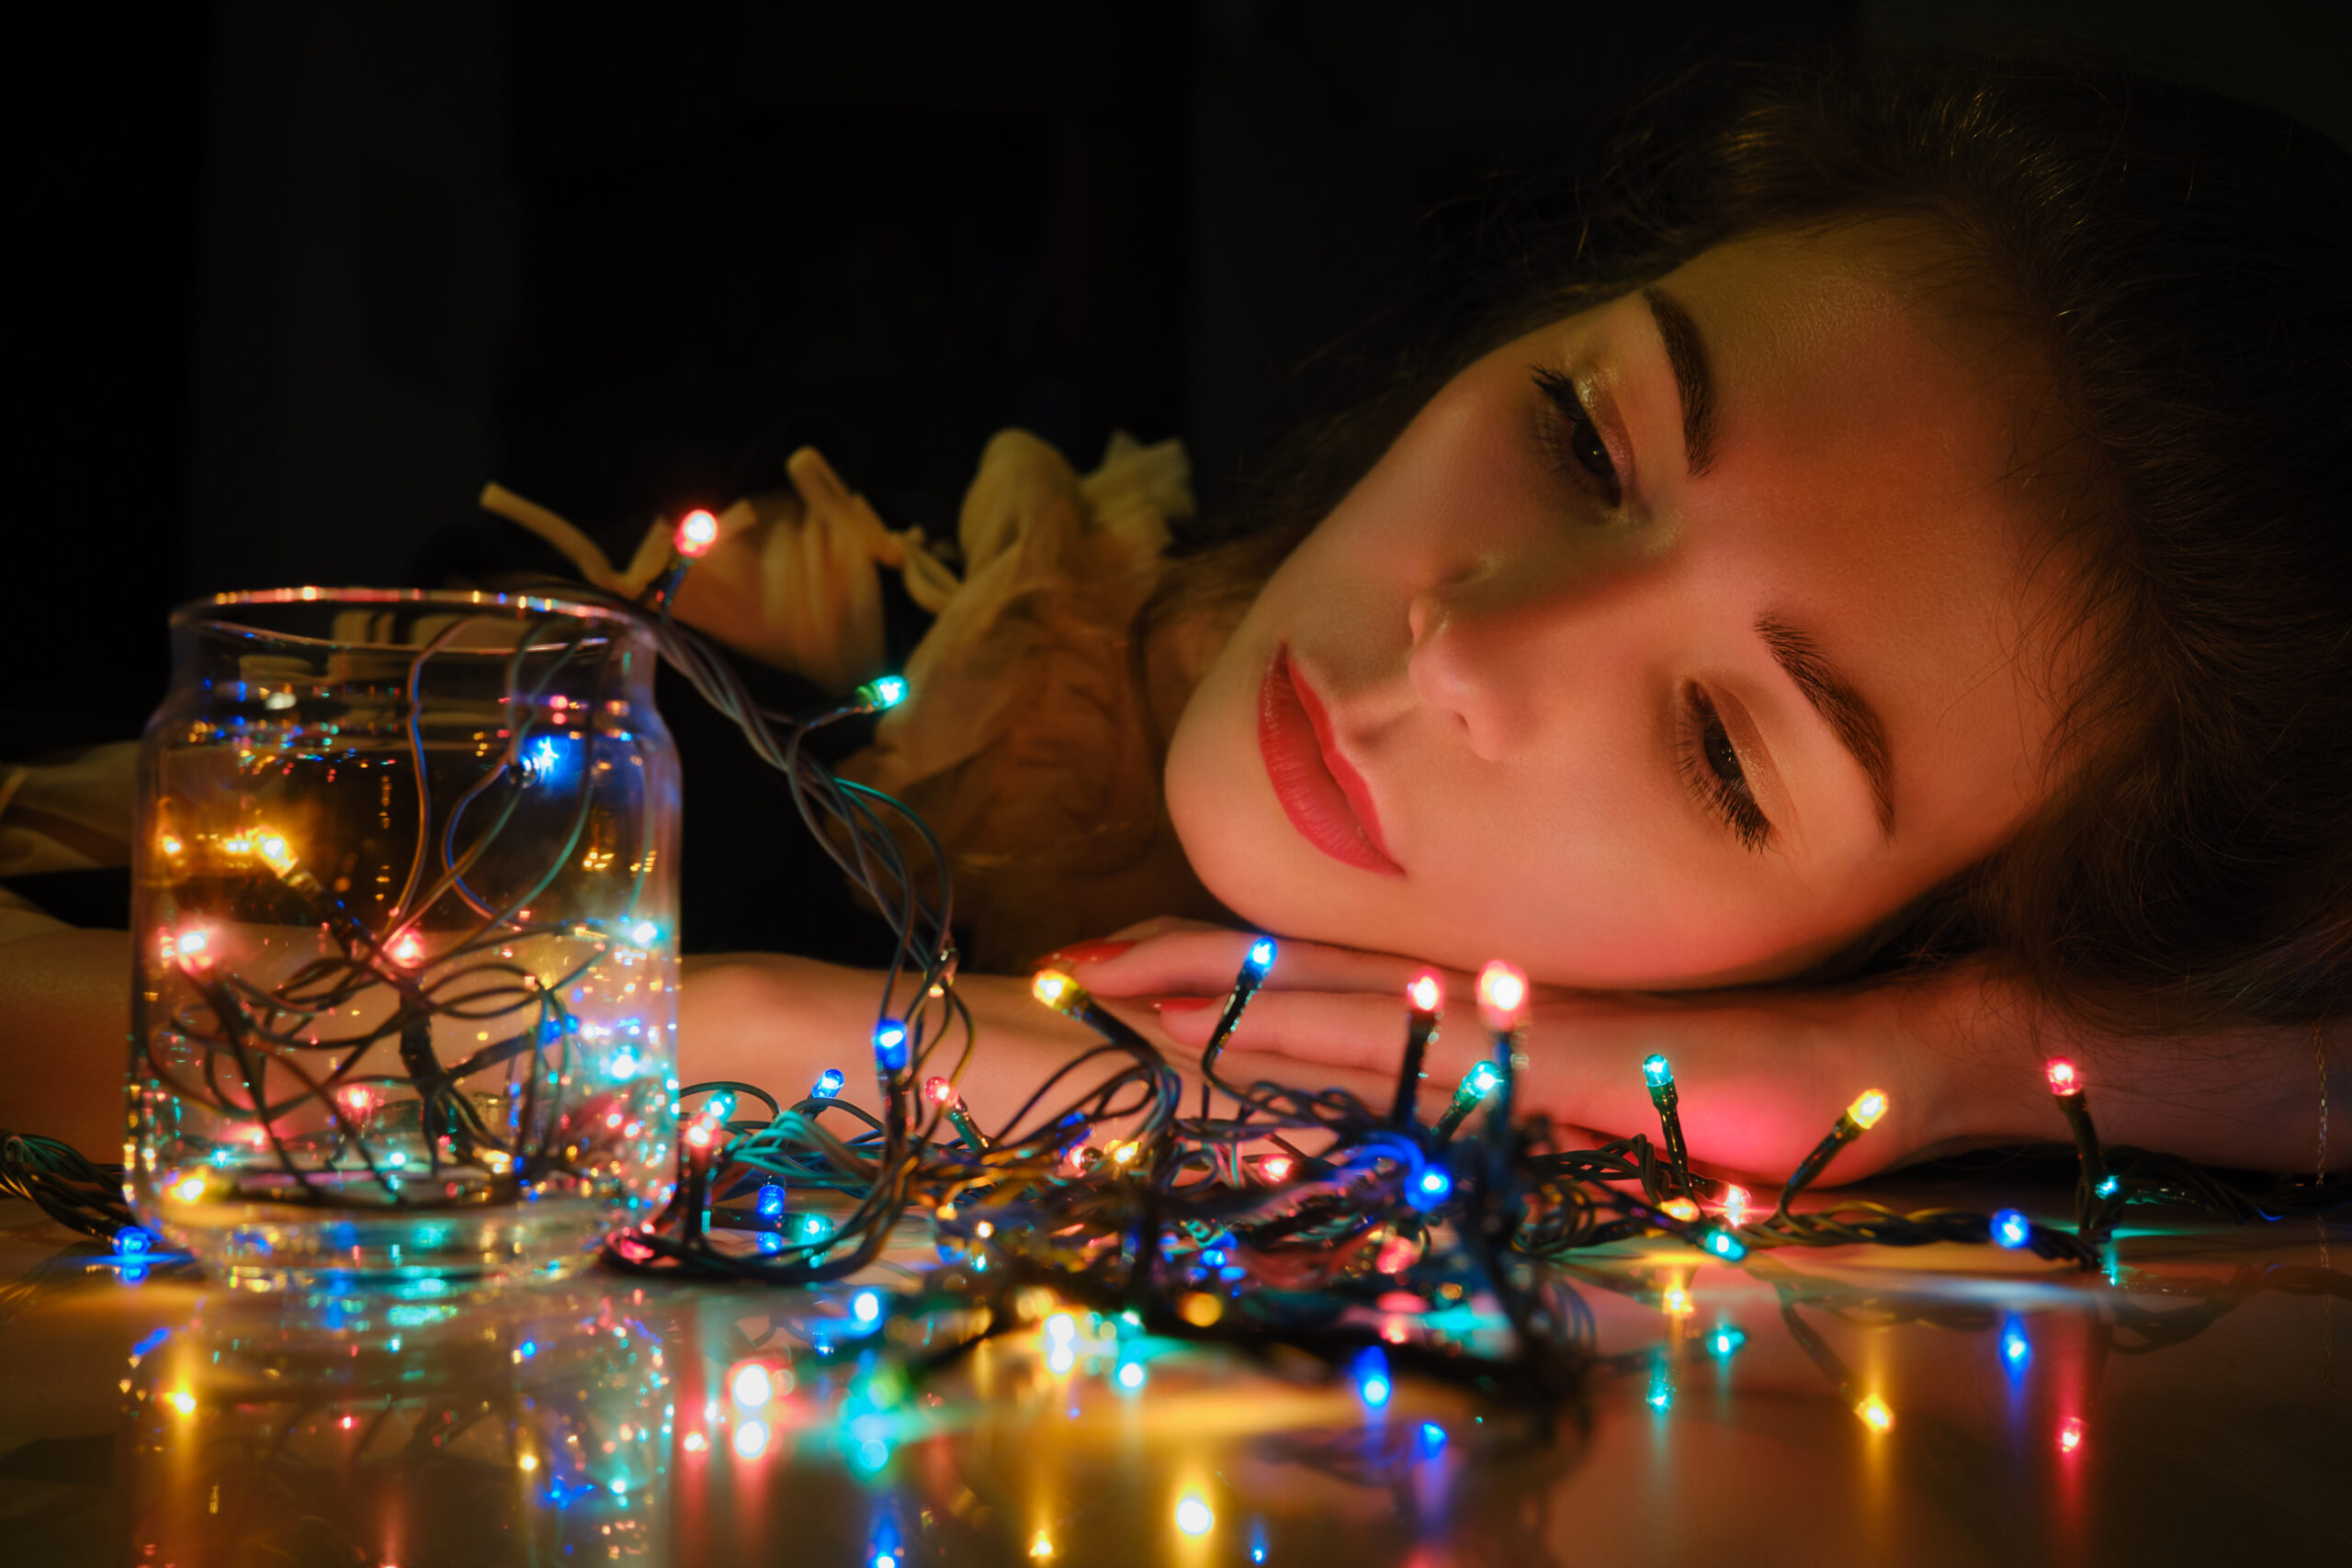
(1086, 952)
(1184, 1004)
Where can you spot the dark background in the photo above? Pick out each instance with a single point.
(301, 277)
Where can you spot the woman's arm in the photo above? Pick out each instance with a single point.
(64, 1025)
(1762, 1074)
(779, 1022)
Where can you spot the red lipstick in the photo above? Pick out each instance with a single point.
(1324, 797)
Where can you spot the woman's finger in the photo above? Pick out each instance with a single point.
(1335, 1029)
(1206, 961)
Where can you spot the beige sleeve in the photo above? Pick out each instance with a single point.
(69, 813)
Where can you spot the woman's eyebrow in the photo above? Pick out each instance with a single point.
(1685, 352)
(1850, 718)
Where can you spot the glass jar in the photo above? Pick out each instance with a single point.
(404, 904)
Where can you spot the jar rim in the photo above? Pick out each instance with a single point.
(213, 609)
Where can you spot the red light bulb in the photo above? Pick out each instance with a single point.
(697, 531)
(1502, 994)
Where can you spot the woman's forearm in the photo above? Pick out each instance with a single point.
(64, 1022)
(2253, 1098)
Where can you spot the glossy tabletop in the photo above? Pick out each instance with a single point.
(2191, 1401)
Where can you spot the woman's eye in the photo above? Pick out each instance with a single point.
(1572, 439)
(1722, 758)
(1711, 764)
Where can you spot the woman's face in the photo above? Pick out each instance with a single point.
(1673, 644)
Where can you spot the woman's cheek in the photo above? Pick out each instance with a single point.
(1213, 779)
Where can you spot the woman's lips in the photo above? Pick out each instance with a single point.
(1325, 798)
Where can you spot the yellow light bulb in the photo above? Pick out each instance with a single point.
(1124, 1154)
(1194, 1516)
(1041, 1546)
(1681, 1209)
(182, 1401)
(1677, 1303)
(189, 1190)
(1052, 988)
(529, 1462)
(1875, 1415)
(1868, 1106)
(172, 846)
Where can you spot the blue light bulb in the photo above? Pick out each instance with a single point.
(1724, 1342)
(1656, 1071)
(2109, 1187)
(829, 1084)
(2011, 1229)
(771, 1201)
(1726, 1246)
(1483, 1080)
(1370, 1370)
(890, 1046)
(1432, 1437)
(549, 758)
(1262, 956)
(1429, 1188)
(134, 1241)
(866, 1306)
(883, 692)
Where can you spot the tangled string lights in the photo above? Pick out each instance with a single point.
(295, 1034)
(1297, 1216)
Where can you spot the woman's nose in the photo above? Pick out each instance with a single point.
(1471, 658)
(1501, 650)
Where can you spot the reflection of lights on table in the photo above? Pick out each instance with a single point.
(1193, 1517)
(1875, 1415)
(2070, 1434)
(751, 1385)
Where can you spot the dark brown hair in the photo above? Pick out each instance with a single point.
(2183, 264)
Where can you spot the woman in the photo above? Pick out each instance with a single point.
(1862, 605)
(1859, 603)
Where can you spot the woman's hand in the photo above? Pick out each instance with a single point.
(1762, 1075)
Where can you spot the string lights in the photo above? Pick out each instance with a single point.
(1273, 1215)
